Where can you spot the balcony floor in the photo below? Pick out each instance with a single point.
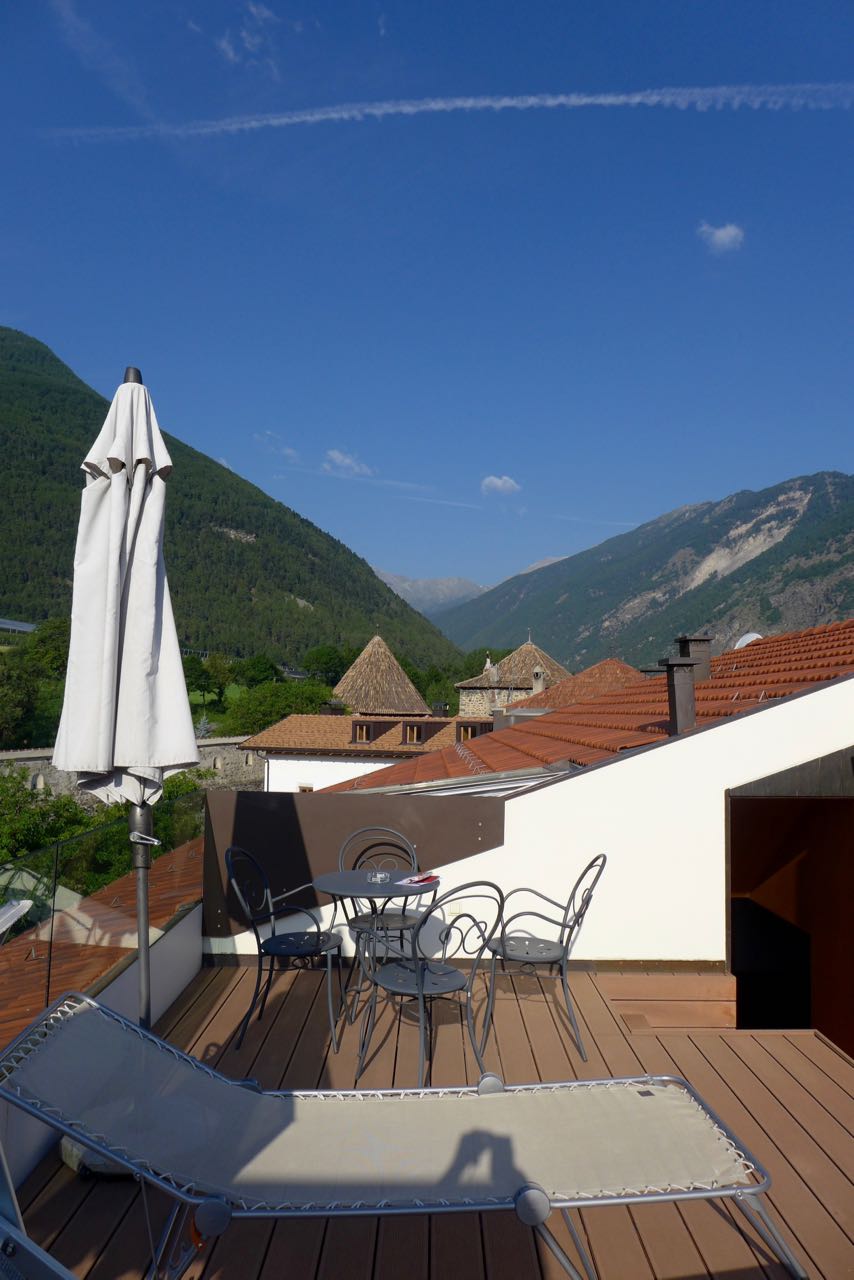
(788, 1095)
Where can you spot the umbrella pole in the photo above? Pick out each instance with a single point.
(141, 839)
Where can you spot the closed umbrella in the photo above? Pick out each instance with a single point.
(126, 721)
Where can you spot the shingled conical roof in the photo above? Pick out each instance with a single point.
(516, 671)
(376, 684)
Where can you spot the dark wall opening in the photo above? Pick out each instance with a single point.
(792, 887)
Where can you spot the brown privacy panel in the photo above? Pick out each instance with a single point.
(296, 836)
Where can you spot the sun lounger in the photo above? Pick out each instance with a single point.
(224, 1149)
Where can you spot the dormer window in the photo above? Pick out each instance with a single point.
(413, 733)
(466, 731)
(361, 732)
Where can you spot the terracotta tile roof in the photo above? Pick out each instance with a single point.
(323, 735)
(604, 677)
(376, 684)
(516, 671)
(637, 715)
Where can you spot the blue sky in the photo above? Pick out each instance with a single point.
(458, 338)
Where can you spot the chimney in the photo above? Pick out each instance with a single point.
(680, 693)
(539, 681)
(700, 649)
(440, 709)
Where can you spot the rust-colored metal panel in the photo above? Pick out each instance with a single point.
(296, 836)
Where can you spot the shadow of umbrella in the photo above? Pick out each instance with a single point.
(126, 721)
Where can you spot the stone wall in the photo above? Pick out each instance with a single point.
(230, 767)
(482, 702)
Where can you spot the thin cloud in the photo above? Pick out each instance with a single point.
(345, 464)
(330, 471)
(499, 484)
(99, 56)
(226, 48)
(446, 502)
(724, 239)
(274, 443)
(781, 97)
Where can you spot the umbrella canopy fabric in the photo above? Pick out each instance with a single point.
(126, 721)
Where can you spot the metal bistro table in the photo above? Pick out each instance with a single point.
(352, 888)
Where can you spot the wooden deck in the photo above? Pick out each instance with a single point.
(788, 1095)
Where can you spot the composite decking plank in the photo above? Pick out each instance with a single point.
(828, 1184)
(203, 1007)
(179, 1006)
(831, 1060)
(662, 1235)
(509, 1247)
(294, 1245)
(517, 1060)
(722, 1235)
(558, 1059)
(664, 985)
(456, 1239)
(806, 1224)
(294, 1249)
(808, 1111)
(349, 1245)
(836, 1100)
(403, 1244)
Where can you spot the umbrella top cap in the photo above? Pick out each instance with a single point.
(132, 375)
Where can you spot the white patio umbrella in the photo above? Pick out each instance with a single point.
(126, 721)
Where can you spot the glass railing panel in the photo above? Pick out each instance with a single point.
(79, 928)
(27, 885)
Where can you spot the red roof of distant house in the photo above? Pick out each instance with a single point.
(306, 735)
(590, 732)
(603, 677)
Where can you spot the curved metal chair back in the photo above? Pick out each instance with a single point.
(459, 924)
(579, 899)
(251, 887)
(381, 848)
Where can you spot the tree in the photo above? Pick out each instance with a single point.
(326, 662)
(219, 672)
(17, 698)
(29, 819)
(47, 647)
(258, 708)
(196, 677)
(259, 669)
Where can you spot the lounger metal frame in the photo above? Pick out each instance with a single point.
(197, 1216)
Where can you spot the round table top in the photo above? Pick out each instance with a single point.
(355, 884)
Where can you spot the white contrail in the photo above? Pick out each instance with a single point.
(773, 97)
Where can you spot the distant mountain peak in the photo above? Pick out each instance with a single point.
(776, 560)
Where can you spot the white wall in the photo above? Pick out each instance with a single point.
(175, 960)
(289, 773)
(660, 817)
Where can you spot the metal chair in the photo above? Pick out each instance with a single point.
(261, 910)
(458, 924)
(528, 949)
(378, 849)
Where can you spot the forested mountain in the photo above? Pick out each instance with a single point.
(771, 561)
(247, 574)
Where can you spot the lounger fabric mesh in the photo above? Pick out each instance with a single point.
(311, 1151)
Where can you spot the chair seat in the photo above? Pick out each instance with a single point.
(301, 944)
(532, 950)
(393, 921)
(399, 978)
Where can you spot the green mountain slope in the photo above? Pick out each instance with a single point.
(246, 573)
(771, 561)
